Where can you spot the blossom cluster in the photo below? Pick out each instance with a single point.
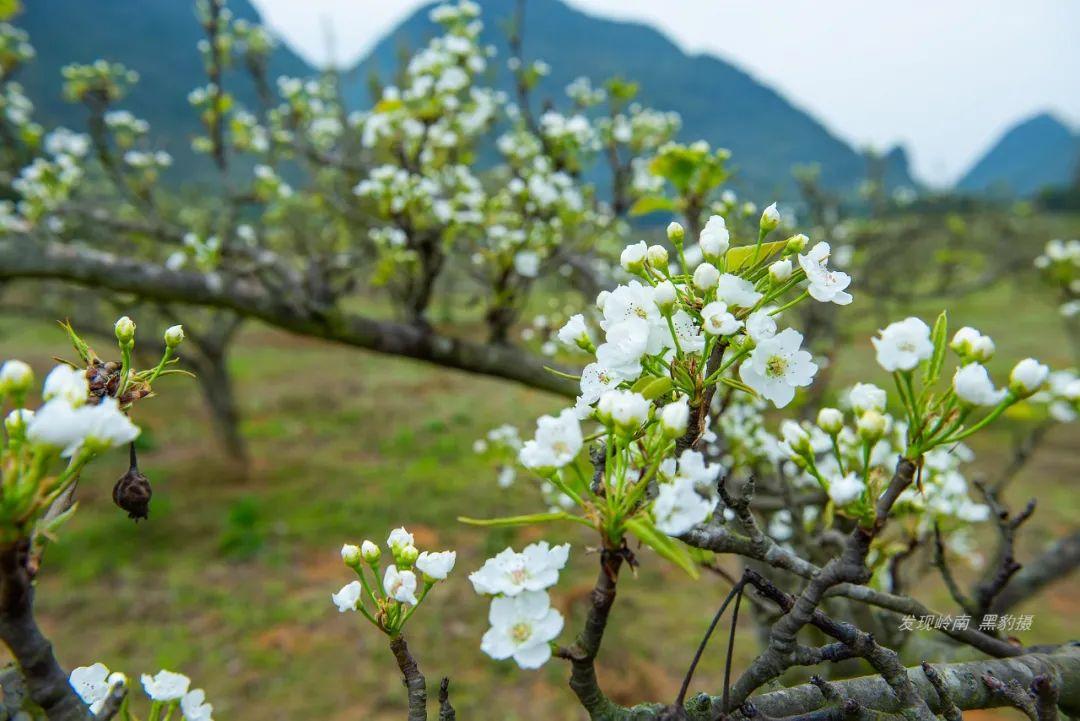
(523, 623)
(390, 597)
(167, 690)
(1060, 262)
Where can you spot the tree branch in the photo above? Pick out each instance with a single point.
(23, 257)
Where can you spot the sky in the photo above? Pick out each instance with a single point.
(944, 77)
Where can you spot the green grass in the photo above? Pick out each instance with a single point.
(229, 580)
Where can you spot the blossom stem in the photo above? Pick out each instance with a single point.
(799, 299)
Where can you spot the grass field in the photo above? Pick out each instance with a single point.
(229, 581)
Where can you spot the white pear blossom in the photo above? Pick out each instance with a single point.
(66, 383)
(902, 345)
(522, 628)
(780, 271)
(777, 366)
(595, 379)
(770, 217)
(716, 320)
(624, 408)
(675, 417)
(865, 397)
(632, 257)
(845, 489)
(510, 573)
(400, 585)
(557, 442)
(973, 385)
(93, 684)
(100, 426)
(574, 332)
(399, 538)
(626, 343)
(347, 598)
(760, 325)
(830, 420)
(437, 565)
(826, 286)
(15, 377)
(194, 707)
(736, 292)
(1027, 376)
(714, 238)
(971, 344)
(166, 685)
(692, 467)
(706, 276)
(679, 507)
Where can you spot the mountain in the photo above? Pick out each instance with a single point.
(1036, 153)
(157, 38)
(718, 102)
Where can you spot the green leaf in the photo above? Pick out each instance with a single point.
(657, 387)
(665, 545)
(522, 520)
(8, 8)
(738, 385)
(744, 254)
(652, 204)
(939, 336)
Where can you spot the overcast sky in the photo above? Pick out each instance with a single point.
(944, 77)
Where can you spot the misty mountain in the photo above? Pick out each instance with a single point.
(1037, 153)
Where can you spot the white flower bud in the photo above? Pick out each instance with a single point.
(632, 258)
(406, 555)
(125, 330)
(675, 232)
(796, 243)
(601, 298)
(350, 554)
(780, 271)
(665, 296)
(658, 256)
(871, 426)
(770, 218)
(16, 422)
(675, 417)
(174, 335)
(715, 238)
(370, 552)
(830, 420)
(796, 437)
(706, 277)
(971, 345)
(625, 409)
(1027, 377)
(16, 377)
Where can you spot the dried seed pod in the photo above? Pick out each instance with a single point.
(132, 493)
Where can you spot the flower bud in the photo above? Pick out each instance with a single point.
(125, 330)
(665, 296)
(797, 438)
(780, 271)
(406, 555)
(706, 277)
(624, 409)
(1027, 377)
(796, 243)
(871, 426)
(632, 258)
(675, 233)
(971, 345)
(715, 238)
(675, 417)
(16, 422)
(16, 378)
(770, 219)
(370, 552)
(658, 256)
(350, 554)
(601, 298)
(174, 336)
(830, 420)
